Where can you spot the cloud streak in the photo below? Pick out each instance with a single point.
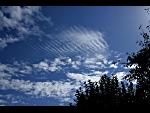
(75, 40)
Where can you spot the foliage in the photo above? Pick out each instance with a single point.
(110, 92)
(105, 92)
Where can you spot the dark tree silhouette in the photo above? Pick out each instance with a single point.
(141, 72)
(110, 92)
(105, 92)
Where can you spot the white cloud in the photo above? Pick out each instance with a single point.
(90, 61)
(74, 63)
(110, 62)
(22, 19)
(100, 65)
(8, 39)
(49, 66)
(56, 89)
(113, 66)
(41, 65)
(130, 67)
(25, 14)
(105, 61)
(66, 99)
(15, 69)
(99, 73)
(82, 77)
(69, 60)
(120, 75)
(8, 70)
(96, 62)
(77, 40)
(117, 55)
(57, 61)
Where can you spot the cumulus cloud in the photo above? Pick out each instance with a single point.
(99, 73)
(74, 64)
(23, 20)
(96, 62)
(15, 69)
(8, 39)
(113, 66)
(56, 89)
(61, 90)
(49, 66)
(82, 77)
(90, 61)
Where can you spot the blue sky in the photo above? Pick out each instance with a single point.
(47, 52)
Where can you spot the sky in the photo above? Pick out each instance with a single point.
(46, 52)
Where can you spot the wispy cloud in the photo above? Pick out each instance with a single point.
(76, 40)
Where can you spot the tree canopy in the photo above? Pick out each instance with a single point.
(108, 91)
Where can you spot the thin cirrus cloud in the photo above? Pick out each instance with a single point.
(74, 40)
(22, 19)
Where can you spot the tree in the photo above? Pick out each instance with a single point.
(141, 72)
(107, 91)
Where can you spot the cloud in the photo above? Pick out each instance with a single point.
(22, 21)
(120, 75)
(56, 89)
(11, 99)
(76, 40)
(74, 64)
(25, 15)
(8, 39)
(15, 69)
(63, 90)
(49, 66)
(90, 61)
(113, 66)
(82, 77)
(96, 62)
(130, 67)
(3, 101)
(99, 73)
